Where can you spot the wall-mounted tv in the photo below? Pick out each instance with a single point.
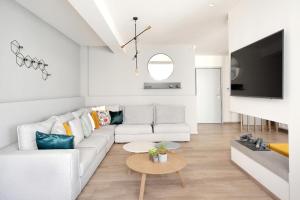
(257, 69)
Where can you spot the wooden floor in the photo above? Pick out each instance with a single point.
(210, 175)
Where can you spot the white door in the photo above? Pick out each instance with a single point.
(209, 101)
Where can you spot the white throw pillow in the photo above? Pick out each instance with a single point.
(65, 117)
(92, 121)
(58, 128)
(79, 112)
(86, 125)
(77, 131)
(26, 133)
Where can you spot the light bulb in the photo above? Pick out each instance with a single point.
(136, 71)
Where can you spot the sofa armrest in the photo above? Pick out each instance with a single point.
(44, 174)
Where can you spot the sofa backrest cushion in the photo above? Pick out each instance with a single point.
(169, 114)
(138, 114)
(26, 133)
(113, 107)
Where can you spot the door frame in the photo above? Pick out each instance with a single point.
(221, 86)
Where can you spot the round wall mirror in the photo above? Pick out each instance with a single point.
(160, 67)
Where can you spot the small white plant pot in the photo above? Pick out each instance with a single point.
(155, 159)
(163, 158)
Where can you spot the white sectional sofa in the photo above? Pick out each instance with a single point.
(62, 174)
(52, 174)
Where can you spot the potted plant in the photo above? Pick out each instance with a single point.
(153, 154)
(162, 154)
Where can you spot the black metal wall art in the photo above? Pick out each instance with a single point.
(28, 61)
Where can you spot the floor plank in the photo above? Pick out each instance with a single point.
(209, 175)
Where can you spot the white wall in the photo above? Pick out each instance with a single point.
(222, 62)
(249, 22)
(17, 113)
(294, 113)
(42, 41)
(24, 96)
(111, 78)
(113, 74)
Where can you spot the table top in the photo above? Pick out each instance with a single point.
(141, 163)
(138, 147)
(169, 145)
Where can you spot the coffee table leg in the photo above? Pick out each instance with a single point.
(142, 188)
(181, 179)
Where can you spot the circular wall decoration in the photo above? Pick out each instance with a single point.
(41, 65)
(35, 63)
(160, 67)
(27, 61)
(15, 47)
(45, 74)
(20, 59)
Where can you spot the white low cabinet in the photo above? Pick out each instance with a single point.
(273, 182)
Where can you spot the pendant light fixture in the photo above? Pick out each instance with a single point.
(136, 43)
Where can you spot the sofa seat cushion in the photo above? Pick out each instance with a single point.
(171, 128)
(86, 158)
(94, 141)
(125, 129)
(106, 131)
(110, 129)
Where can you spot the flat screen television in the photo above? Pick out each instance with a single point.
(257, 69)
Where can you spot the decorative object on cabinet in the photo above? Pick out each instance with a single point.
(28, 61)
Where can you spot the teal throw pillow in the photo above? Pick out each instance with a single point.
(54, 141)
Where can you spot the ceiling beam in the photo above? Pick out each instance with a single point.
(96, 14)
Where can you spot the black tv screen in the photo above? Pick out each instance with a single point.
(257, 69)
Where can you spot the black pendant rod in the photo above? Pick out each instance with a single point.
(136, 35)
(135, 41)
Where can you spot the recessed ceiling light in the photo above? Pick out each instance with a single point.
(211, 5)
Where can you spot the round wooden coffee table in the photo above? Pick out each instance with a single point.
(142, 164)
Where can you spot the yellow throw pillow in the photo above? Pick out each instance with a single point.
(95, 117)
(67, 128)
(282, 148)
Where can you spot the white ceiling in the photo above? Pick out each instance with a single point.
(62, 16)
(184, 22)
(175, 22)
